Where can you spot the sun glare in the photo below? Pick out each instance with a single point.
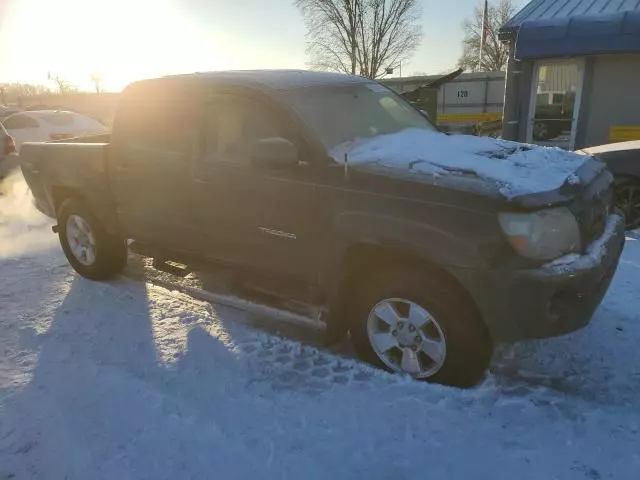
(122, 40)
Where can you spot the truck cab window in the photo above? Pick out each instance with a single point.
(160, 124)
(233, 124)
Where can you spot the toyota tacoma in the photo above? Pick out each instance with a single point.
(426, 249)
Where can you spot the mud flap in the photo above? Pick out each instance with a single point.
(337, 328)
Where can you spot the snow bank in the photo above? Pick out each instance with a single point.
(127, 380)
(516, 168)
(23, 229)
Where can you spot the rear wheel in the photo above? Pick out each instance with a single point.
(93, 253)
(413, 322)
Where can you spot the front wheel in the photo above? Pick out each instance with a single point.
(90, 249)
(413, 322)
(541, 131)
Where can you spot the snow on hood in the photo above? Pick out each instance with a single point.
(516, 168)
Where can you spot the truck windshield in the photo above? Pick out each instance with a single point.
(347, 112)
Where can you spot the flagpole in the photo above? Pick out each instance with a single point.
(483, 35)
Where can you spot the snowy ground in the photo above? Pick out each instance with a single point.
(131, 380)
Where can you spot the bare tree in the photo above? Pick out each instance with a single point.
(19, 92)
(63, 86)
(495, 54)
(96, 78)
(15, 91)
(360, 37)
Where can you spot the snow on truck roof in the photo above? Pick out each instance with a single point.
(273, 79)
(43, 113)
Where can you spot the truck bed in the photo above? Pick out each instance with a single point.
(77, 165)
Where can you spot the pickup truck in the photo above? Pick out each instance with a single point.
(426, 248)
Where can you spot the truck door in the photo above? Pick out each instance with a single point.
(152, 153)
(257, 217)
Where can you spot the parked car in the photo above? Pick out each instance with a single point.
(8, 153)
(428, 248)
(551, 121)
(42, 106)
(6, 110)
(623, 159)
(47, 125)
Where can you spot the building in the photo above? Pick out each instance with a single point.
(468, 99)
(574, 72)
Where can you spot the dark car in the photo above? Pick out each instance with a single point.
(427, 248)
(623, 159)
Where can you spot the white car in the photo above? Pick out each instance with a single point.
(48, 125)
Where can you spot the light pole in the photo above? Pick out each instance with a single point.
(389, 71)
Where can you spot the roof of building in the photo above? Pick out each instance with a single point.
(571, 28)
(565, 9)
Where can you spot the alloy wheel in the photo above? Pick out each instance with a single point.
(81, 240)
(406, 337)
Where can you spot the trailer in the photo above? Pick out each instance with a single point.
(469, 102)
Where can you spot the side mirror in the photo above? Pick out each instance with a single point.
(275, 152)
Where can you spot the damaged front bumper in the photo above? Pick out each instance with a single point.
(552, 300)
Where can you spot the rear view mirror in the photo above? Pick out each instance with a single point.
(275, 152)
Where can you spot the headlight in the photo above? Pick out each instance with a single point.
(542, 235)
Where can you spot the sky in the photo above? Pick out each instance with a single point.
(125, 40)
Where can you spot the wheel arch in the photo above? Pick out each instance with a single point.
(106, 215)
(59, 194)
(362, 259)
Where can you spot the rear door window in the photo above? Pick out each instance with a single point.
(18, 122)
(158, 120)
(60, 119)
(234, 123)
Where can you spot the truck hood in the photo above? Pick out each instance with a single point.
(512, 169)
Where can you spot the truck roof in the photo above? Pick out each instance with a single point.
(272, 79)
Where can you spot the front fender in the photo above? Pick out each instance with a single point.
(449, 248)
(430, 242)
(400, 237)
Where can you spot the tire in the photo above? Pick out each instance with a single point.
(627, 200)
(541, 131)
(467, 344)
(109, 253)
